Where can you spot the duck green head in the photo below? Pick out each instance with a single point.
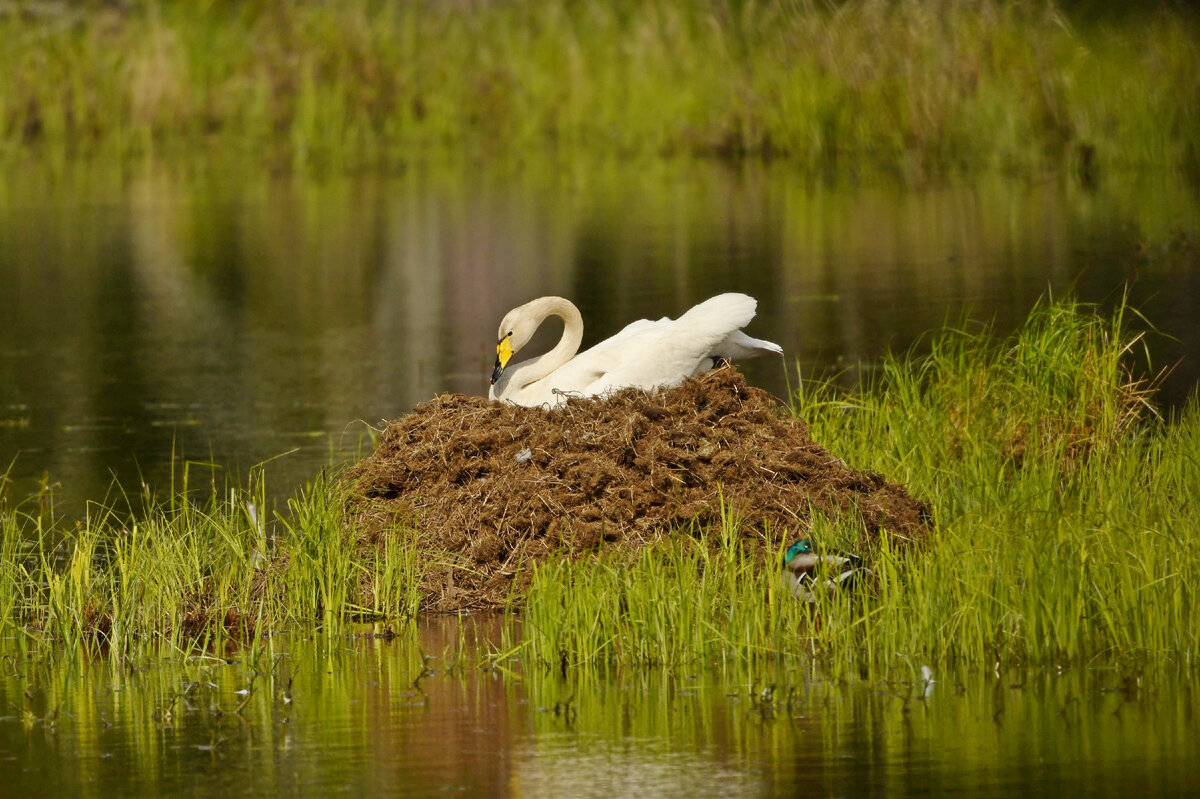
(801, 547)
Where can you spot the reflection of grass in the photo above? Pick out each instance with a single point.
(151, 706)
(155, 721)
(913, 86)
(1066, 522)
(1065, 510)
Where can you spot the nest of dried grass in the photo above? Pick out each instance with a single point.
(505, 487)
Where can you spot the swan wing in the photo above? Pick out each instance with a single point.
(665, 352)
(626, 335)
(592, 364)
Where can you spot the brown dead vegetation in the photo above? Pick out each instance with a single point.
(501, 487)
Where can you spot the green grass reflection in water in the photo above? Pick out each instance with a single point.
(419, 715)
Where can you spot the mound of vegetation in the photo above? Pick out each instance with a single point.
(500, 488)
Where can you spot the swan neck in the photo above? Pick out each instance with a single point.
(572, 336)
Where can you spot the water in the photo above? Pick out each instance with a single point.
(221, 314)
(354, 720)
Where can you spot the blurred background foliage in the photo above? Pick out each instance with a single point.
(915, 88)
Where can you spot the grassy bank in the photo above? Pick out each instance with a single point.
(1065, 532)
(916, 87)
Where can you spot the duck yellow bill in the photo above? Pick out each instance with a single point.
(503, 355)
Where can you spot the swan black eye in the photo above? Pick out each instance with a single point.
(510, 333)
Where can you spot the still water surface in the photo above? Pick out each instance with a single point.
(226, 315)
(356, 720)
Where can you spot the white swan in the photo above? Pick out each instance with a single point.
(645, 354)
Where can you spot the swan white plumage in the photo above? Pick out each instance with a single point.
(646, 354)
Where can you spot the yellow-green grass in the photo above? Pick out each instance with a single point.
(914, 87)
(191, 570)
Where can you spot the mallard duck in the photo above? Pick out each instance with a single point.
(804, 569)
(646, 354)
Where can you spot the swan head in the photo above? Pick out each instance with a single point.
(517, 327)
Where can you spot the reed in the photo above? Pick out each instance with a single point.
(913, 87)
(193, 569)
(1061, 498)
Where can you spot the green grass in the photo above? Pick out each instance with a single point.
(914, 87)
(199, 567)
(1065, 533)
(1065, 507)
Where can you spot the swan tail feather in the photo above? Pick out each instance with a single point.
(737, 346)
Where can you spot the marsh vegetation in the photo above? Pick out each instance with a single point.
(1061, 503)
(917, 88)
(227, 230)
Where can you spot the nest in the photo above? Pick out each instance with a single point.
(505, 487)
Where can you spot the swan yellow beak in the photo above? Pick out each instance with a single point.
(503, 355)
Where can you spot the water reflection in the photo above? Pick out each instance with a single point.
(378, 717)
(232, 316)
